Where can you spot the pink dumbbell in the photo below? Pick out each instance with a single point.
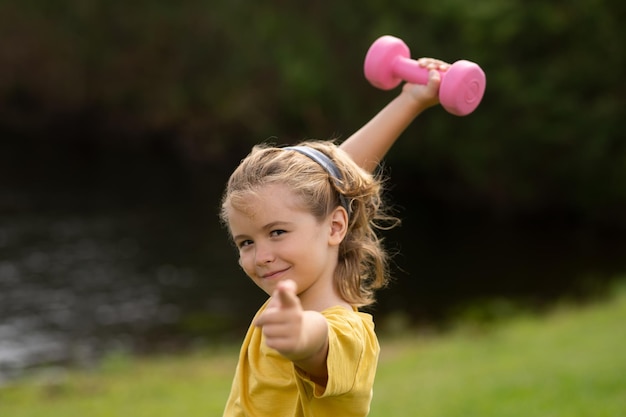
(388, 63)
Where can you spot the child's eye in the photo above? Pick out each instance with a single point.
(244, 243)
(275, 233)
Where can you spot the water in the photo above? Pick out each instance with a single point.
(75, 287)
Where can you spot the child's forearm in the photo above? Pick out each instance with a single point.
(312, 355)
(368, 145)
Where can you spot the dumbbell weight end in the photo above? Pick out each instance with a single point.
(462, 88)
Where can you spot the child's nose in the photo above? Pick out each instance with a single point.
(263, 254)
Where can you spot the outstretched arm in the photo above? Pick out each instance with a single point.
(368, 145)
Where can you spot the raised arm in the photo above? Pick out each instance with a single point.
(369, 144)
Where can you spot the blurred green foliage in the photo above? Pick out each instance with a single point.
(219, 76)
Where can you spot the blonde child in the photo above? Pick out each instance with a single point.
(305, 220)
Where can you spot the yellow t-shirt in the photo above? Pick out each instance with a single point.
(268, 385)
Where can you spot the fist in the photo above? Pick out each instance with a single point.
(281, 322)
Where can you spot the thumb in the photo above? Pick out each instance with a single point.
(286, 293)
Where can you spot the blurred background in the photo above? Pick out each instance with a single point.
(121, 121)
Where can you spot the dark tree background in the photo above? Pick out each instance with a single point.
(209, 79)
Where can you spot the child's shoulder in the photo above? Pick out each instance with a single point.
(342, 317)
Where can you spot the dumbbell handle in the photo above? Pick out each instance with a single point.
(410, 70)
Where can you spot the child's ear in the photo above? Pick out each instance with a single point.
(338, 226)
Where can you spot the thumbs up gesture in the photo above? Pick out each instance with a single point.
(299, 335)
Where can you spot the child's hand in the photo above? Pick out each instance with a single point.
(432, 63)
(300, 336)
(427, 95)
(282, 320)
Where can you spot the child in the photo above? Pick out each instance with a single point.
(304, 220)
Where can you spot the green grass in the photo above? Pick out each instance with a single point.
(168, 386)
(567, 363)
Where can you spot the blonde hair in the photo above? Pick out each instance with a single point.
(362, 267)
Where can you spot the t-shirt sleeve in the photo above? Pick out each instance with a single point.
(352, 355)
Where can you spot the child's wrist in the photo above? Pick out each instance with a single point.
(415, 103)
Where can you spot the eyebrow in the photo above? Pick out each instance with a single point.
(269, 226)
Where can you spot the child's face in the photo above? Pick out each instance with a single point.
(278, 239)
